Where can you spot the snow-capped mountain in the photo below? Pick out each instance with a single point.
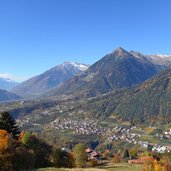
(49, 79)
(118, 69)
(79, 66)
(159, 60)
(162, 56)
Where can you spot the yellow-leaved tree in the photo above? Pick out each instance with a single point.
(5, 141)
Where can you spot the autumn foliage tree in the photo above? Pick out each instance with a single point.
(5, 141)
(5, 149)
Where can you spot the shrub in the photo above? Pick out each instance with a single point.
(23, 159)
(92, 163)
(116, 158)
(6, 163)
(41, 149)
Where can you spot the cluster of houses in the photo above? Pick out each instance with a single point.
(126, 135)
(165, 135)
(92, 154)
(88, 127)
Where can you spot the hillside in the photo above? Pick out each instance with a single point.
(150, 100)
(147, 102)
(7, 96)
(49, 79)
(119, 69)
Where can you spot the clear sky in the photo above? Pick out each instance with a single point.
(36, 35)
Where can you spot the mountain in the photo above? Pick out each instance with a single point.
(119, 69)
(7, 84)
(7, 96)
(148, 101)
(160, 61)
(49, 79)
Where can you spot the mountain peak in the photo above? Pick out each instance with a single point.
(79, 66)
(119, 49)
(120, 52)
(54, 77)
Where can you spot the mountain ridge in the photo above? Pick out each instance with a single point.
(7, 84)
(118, 69)
(8, 96)
(53, 77)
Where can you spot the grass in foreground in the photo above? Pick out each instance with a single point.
(108, 167)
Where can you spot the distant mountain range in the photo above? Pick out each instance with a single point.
(160, 61)
(7, 84)
(119, 69)
(127, 85)
(7, 96)
(148, 102)
(49, 79)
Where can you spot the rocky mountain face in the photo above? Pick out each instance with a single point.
(7, 84)
(7, 96)
(49, 79)
(119, 69)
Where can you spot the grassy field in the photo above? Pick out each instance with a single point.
(108, 167)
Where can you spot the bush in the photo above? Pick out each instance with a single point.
(116, 158)
(92, 163)
(41, 149)
(63, 158)
(165, 163)
(6, 163)
(24, 159)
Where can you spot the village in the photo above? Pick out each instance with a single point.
(117, 133)
(79, 127)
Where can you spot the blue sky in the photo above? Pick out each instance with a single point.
(36, 35)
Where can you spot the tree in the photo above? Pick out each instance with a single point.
(5, 141)
(23, 159)
(6, 163)
(125, 155)
(41, 149)
(8, 123)
(80, 155)
(133, 152)
(63, 158)
(25, 138)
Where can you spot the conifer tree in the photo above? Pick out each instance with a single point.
(7, 122)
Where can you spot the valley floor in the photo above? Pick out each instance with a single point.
(108, 167)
